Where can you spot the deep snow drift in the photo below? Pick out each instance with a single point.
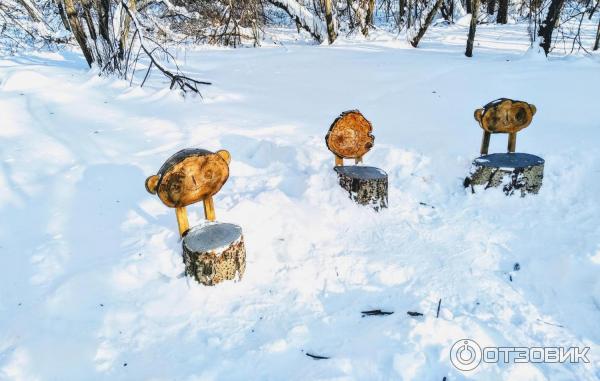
(90, 284)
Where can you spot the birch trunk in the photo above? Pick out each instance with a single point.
(331, 33)
(78, 32)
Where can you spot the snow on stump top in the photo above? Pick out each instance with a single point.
(349, 137)
(512, 171)
(213, 251)
(504, 116)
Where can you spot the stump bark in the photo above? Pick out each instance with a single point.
(365, 185)
(514, 172)
(214, 252)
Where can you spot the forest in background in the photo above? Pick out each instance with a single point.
(114, 35)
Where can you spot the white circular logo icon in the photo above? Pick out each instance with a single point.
(465, 355)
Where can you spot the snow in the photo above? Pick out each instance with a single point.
(91, 285)
(212, 236)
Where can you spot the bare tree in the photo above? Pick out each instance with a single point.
(371, 13)
(402, 4)
(491, 7)
(78, 32)
(331, 32)
(547, 26)
(472, 28)
(303, 17)
(447, 10)
(432, 12)
(502, 17)
(597, 43)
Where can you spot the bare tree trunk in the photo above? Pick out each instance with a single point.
(547, 27)
(125, 30)
(472, 28)
(491, 7)
(502, 17)
(597, 44)
(593, 10)
(361, 14)
(103, 9)
(371, 13)
(468, 6)
(426, 23)
(300, 14)
(331, 34)
(447, 10)
(349, 9)
(78, 31)
(401, 11)
(63, 15)
(32, 10)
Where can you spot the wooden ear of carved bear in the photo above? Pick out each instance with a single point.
(189, 176)
(505, 116)
(349, 136)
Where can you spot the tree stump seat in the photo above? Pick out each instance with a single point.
(514, 172)
(213, 252)
(350, 137)
(365, 185)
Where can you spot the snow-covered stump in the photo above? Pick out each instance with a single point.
(365, 185)
(214, 252)
(514, 172)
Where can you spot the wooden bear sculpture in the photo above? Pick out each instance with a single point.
(504, 116)
(349, 137)
(512, 171)
(212, 251)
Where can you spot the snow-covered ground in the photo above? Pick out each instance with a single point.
(90, 285)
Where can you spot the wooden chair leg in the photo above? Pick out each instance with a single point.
(485, 142)
(339, 161)
(209, 209)
(182, 220)
(512, 141)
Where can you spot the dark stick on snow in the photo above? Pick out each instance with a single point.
(317, 357)
(413, 313)
(376, 313)
(437, 315)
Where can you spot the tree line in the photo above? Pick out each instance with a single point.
(114, 34)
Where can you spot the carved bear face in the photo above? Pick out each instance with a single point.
(350, 136)
(189, 176)
(505, 116)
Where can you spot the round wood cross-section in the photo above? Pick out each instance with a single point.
(214, 252)
(365, 185)
(513, 172)
(349, 136)
(505, 116)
